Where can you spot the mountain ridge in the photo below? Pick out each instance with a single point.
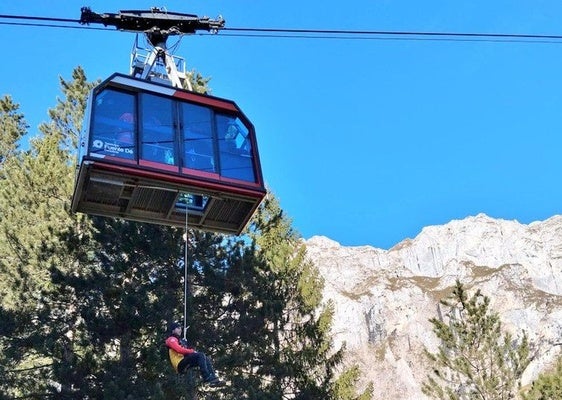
(384, 298)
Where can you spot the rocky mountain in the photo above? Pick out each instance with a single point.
(384, 298)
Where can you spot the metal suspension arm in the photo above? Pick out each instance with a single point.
(153, 21)
(156, 25)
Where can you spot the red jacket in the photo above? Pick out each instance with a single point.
(176, 351)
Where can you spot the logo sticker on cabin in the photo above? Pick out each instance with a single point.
(116, 149)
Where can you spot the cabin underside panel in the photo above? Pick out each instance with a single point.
(150, 199)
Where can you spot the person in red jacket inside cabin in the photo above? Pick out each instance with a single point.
(183, 357)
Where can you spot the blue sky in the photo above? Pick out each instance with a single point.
(363, 141)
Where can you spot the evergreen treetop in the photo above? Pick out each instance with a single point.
(475, 359)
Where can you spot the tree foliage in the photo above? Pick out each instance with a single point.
(298, 356)
(38, 230)
(256, 304)
(475, 360)
(12, 127)
(345, 386)
(35, 191)
(547, 386)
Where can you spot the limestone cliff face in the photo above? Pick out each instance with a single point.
(384, 298)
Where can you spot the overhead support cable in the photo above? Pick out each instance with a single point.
(190, 24)
(31, 18)
(395, 33)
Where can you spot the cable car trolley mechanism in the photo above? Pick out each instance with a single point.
(152, 151)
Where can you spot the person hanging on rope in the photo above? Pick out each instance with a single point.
(183, 357)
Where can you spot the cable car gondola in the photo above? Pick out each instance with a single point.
(155, 153)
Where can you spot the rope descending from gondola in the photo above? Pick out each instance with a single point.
(185, 270)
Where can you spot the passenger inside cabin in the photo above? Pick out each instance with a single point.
(230, 137)
(113, 126)
(199, 152)
(235, 150)
(236, 140)
(199, 156)
(126, 130)
(158, 141)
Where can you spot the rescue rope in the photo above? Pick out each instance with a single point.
(185, 275)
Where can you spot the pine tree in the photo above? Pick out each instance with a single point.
(547, 386)
(123, 285)
(476, 360)
(12, 127)
(124, 298)
(36, 227)
(344, 387)
(35, 192)
(266, 322)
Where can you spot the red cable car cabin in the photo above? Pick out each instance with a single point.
(153, 153)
